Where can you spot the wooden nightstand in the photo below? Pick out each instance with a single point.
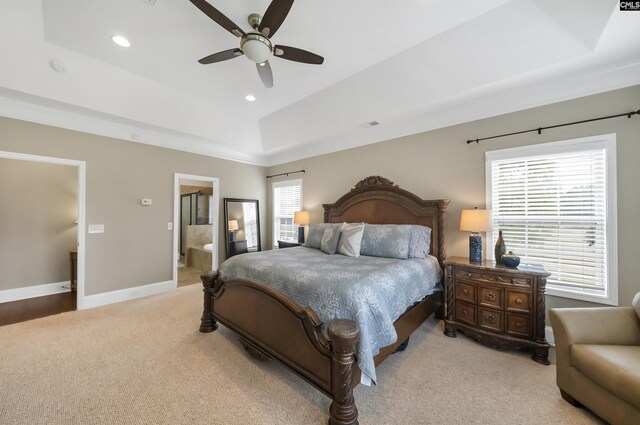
(498, 306)
(284, 244)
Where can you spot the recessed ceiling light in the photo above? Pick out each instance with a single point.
(121, 41)
(250, 98)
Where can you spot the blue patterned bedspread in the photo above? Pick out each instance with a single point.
(372, 291)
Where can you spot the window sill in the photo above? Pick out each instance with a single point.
(608, 299)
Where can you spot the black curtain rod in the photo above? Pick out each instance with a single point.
(286, 174)
(539, 129)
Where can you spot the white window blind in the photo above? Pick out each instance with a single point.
(287, 199)
(552, 208)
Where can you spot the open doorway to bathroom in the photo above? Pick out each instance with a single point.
(41, 238)
(195, 232)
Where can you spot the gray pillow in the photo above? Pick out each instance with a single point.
(386, 240)
(636, 304)
(419, 241)
(314, 235)
(330, 238)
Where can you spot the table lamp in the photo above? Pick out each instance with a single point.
(301, 218)
(233, 226)
(475, 221)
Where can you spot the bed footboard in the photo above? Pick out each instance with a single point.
(272, 326)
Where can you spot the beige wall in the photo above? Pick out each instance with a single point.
(38, 205)
(192, 189)
(439, 164)
(136, 248)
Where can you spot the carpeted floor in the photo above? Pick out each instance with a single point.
(144, 362)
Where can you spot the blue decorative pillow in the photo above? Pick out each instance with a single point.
(314, 235)
(330, 238)
(386, 240)
(419, 241)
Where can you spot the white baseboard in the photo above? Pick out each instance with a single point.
(91, 301)
(548, 335)
(34, 291)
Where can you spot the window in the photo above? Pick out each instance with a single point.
(287, 199)
(556, 205)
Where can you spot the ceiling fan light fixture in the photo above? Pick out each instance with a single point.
(256, 47)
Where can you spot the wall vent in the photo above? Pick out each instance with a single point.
(369, 124)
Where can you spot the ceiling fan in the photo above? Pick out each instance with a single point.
(256, 45)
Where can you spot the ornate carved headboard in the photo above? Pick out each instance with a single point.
(377, 200)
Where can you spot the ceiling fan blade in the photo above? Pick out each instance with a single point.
(274, 17)
(297, 55)
(221, 56)
(265, 74)
(218, 17)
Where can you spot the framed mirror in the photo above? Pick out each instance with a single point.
(242, 226)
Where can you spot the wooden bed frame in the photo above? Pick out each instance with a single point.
(272, 326)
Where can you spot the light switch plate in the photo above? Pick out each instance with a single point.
(169, 226)
(146, 202)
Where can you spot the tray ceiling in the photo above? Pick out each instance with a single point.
(410, 65)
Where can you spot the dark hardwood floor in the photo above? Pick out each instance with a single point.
(34, 308)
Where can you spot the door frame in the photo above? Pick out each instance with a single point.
(82, 176)
(215, 221)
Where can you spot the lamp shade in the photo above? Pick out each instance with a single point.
(233, 225)
(475, 220)
(301, 217)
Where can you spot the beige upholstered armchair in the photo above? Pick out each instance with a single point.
(598, 359)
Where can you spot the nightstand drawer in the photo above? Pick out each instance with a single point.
(488, 277)
(519, 301)
(519, 325)
(491, 320)
(466, 291)
(491, 296)
(466, 313)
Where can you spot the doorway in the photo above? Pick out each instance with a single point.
(42, 219)
(196, 204)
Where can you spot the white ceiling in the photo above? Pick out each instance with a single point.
(410, 65)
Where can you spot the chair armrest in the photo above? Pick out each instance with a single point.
(605, 325)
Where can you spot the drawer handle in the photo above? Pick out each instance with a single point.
(518, 301)
(491, 318)
(465, 312)
(518, 325)
(465, 291)
(469, 275)
(491, 296)
(501, 279)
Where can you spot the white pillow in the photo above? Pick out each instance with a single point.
(350, 239)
